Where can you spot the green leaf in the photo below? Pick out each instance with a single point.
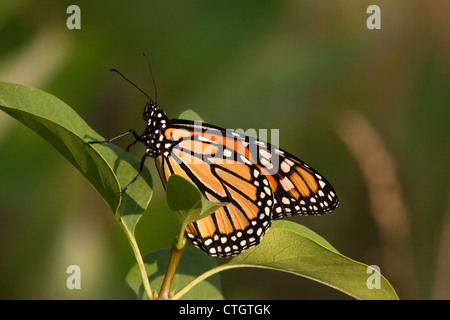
(192, 264)
(186, 201)
(293, 248)
(190, 115)
(107, 167)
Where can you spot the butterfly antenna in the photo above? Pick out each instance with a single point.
(153, 78)
(116, 71)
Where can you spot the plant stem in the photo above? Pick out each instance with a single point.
(174, 260)
(205, 275)
(139, 260)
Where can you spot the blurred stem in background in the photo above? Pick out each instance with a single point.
(387, 206)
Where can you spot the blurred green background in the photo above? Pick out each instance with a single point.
(368, 108)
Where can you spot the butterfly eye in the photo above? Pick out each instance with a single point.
(147, 111)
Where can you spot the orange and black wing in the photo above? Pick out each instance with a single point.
(298, 188)
(260, 182)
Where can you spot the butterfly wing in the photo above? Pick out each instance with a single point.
(201, 157)
(298, 188)
(261, 183)
(301, 190)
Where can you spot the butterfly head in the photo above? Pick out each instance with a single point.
(152, 112)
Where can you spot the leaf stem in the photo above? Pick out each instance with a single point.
(203, 276)
(139, 260)
(175, 257)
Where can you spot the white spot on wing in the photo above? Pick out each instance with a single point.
(287, 184)
(265, 153)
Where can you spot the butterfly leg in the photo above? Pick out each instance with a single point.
(141, 167)
(133, 143)
(136, 136)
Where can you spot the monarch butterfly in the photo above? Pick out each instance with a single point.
(259, 181)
